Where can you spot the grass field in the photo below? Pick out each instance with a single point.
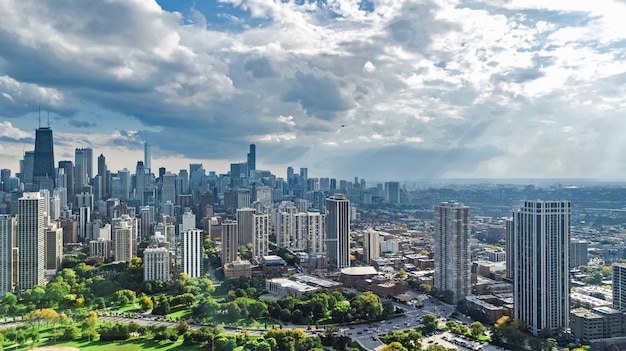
(128, 345)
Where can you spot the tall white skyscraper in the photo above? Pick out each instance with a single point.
(147, 156)
(284, 225)
(262, 229)
(338, 232)
(7, 242)
(124, 232)
(541, 256)
(193, 240)
(31, 233)
(452, 251)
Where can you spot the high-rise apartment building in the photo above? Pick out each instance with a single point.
(284, 225)
(229, 241)
(541, 257)
(262, 229)
(156, 264)
(245, 226)
(43, 170)
(452, 251)
(123, 234)
(371, 245)
(392, 192)
(508, 248)
(7, 242)
(53, 248)
(193, 241)
(578, 255)
(147, 156)
(30, 241)
(338, 232)
(619, 286)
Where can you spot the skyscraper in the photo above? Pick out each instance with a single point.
(30, 241)
(123, 235)
(619, 286)
(338, 232)
(229, 241)
(7, 241)
(43, 170)
(81, 169)
(262, 229)
(252, 159)
(147, 156)
(245, 226)
(193, 240)
(452, 251)
(371, 245)
(156, 264)
(508, 248)
(392, 192)
(541, 257)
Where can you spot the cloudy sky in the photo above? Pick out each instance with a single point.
(380, 89)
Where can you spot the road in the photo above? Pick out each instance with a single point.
(368, 334)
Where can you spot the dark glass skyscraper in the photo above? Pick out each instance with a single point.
(43, 169)
(252, 159)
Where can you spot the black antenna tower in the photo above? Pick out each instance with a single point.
(39, 116)
(48, 119)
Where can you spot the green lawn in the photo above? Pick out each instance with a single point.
(128, 345)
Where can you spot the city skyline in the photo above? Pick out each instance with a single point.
(447, 89)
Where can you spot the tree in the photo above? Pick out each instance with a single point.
(477, 328)
(233, 311)
(394, 346)
(55, 291)
(182, 328)
(431, 323)
(367, 306)
(146, 303)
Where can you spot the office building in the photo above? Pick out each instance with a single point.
(83, 168)
(452, 251)
(168, 189)
(541, 256)
(252, 159)
(44, 175)
(7, 242)
(30, 241)
(156, 264)
(338, 232)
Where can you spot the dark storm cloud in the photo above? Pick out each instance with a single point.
(82, 124)
(9, 139)
(260, 68)
(318, 96)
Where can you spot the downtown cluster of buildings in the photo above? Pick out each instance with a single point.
(46, 209)
(49, 206)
